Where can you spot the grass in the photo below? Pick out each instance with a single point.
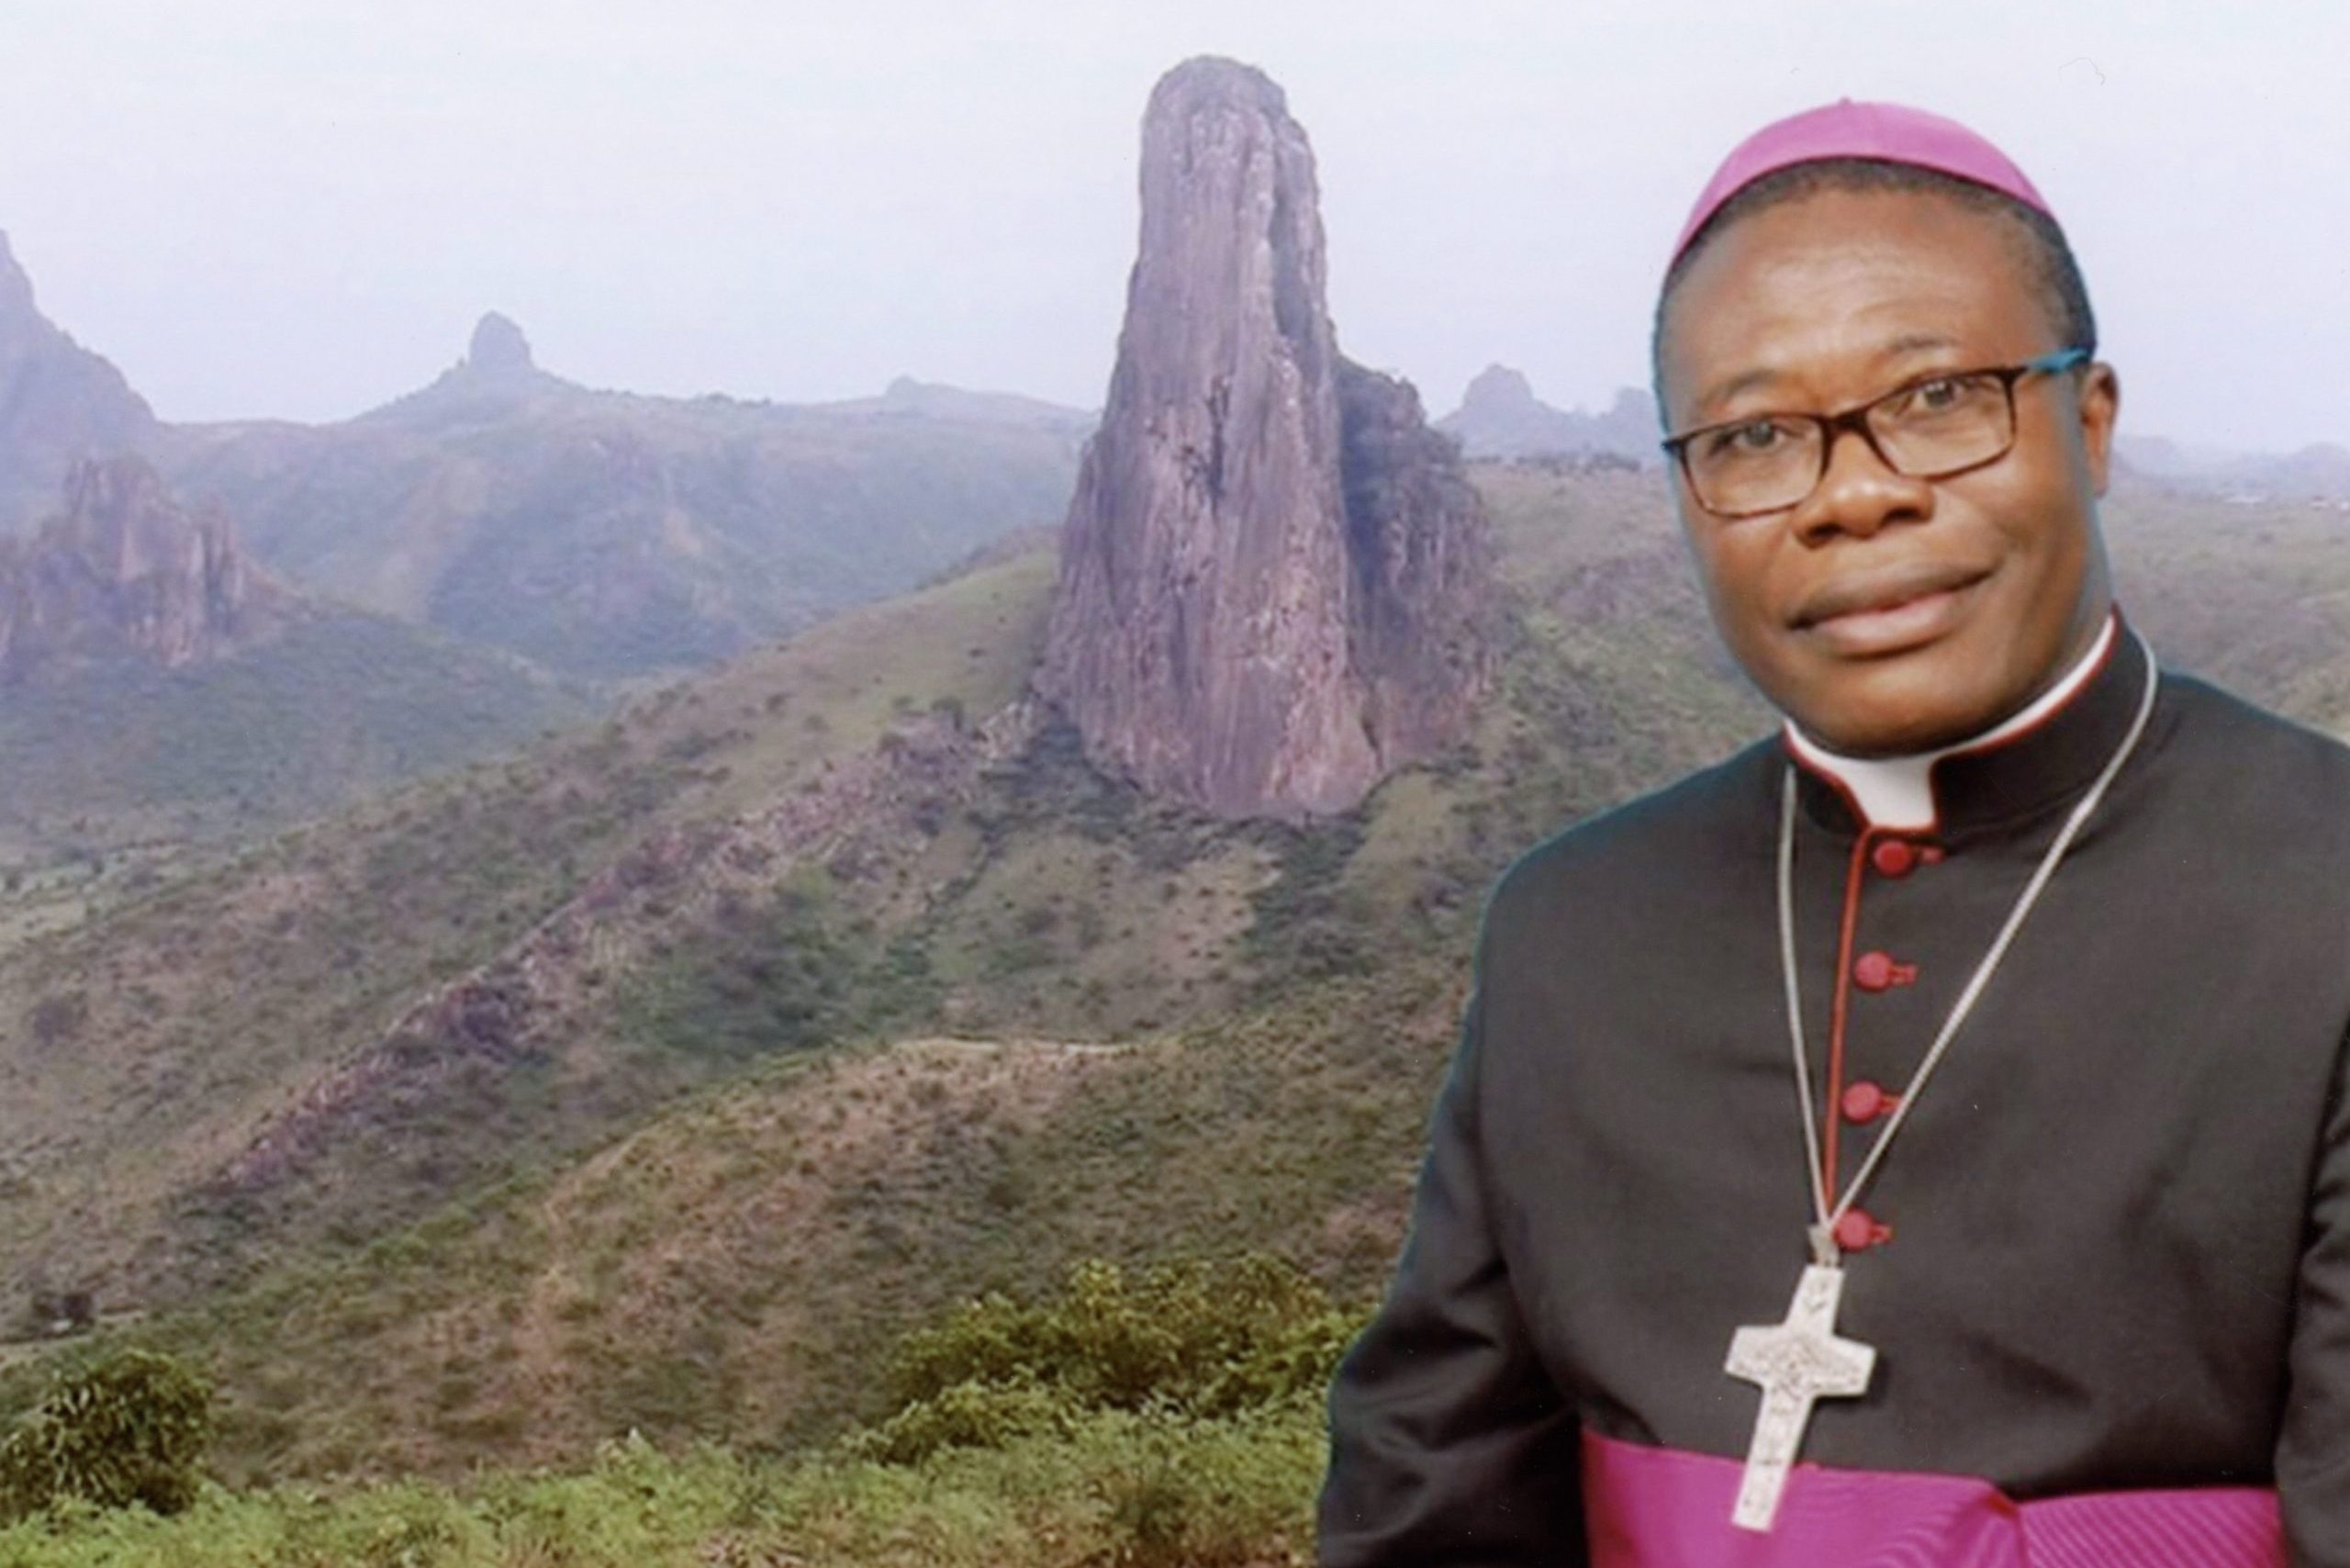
(736, 1267)
(337, 707)
(1122, 1489)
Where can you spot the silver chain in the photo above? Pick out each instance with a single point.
(1823, 1240)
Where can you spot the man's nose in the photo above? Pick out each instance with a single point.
(1859, 493)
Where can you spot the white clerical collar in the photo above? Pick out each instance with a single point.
(1897, 791)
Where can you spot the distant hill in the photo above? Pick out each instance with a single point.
(607, 534)
(907, 398)
(658, 1077)
(1499, 416)
(59, 403)
(2319, 472)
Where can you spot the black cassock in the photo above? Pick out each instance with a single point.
(2111, 1297)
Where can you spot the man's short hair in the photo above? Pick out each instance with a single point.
(2035, 240)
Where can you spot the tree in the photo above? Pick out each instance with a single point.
(130, 1426)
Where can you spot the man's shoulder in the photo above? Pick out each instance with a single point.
(2263, 753)
(2238, 784)
(1654, 838)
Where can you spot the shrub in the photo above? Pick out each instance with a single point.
(1200, 1337)
(1168, 1510)
(966, 1415)
(128, 1427)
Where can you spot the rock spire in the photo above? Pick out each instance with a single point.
(498, 347)
(125, 572)
(1272, 571)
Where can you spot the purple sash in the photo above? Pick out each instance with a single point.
(1650, 1508)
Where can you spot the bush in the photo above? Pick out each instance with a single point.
(1191, 1338)
(128, 1427)
(967, 1414)
(1179, 1498)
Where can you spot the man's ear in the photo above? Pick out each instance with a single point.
(2101, 404)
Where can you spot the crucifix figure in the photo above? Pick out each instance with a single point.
(1795, 1361)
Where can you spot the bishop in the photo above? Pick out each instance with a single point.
(2006, 981)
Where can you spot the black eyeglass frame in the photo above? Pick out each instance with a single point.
(1856, 419)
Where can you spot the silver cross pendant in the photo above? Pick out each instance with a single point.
(1796, 1363)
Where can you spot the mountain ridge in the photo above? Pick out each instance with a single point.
(616, 535)
(59, 402)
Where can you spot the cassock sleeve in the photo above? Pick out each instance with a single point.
(1450, 1445)
(2314, 1447)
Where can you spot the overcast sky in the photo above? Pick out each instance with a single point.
(298, 207)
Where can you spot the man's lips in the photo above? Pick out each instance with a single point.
(1866, 593)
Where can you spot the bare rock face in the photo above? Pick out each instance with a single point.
(1271, 569)
(1422, 567)
(1500, 417)
(59, 402)
(498, 347)
(125, 572)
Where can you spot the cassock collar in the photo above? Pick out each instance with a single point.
(2043, 755)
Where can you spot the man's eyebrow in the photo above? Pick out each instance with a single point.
(1909, 342)
(1723, 392)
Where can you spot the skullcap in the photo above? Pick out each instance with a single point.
(1894, 132)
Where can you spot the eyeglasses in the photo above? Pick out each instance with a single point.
(1928, 429)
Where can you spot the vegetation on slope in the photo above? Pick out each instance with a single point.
(115, 755)
(143, 1051)
(1166, 1417)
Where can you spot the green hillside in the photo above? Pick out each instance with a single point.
(815, 994)
(342, 703)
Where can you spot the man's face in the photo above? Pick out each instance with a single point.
(1888, 614)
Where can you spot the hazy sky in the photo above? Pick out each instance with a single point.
(298, 207)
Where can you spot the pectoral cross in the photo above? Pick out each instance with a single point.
(1796, 1363)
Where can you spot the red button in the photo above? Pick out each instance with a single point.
(1874, 971)
(1893, 857)
(1865, 1101)
(1857, 1231)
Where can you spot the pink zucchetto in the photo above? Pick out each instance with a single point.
(1894, 132)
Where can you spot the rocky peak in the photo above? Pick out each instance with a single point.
(497, 376)
(1498, 389)
(59, 402)
(125, 571)
(16, 288)
(1500, 417)
(1271, 569)
(123, 525)
(498, 348)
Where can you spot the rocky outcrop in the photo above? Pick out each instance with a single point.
(497, 378)
(1417, 545)
(498, 348)
(1500, 417)
(125, 572)
(1271, 571)
(59, 403)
